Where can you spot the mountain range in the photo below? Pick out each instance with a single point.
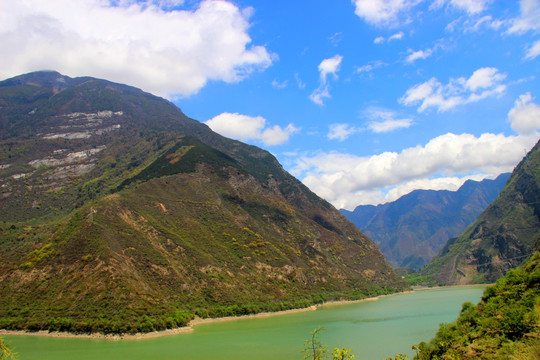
(501, 238)
(121, 214)
(413, 229)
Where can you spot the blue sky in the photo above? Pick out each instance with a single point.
(364, 101)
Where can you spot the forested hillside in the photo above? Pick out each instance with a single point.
(120, 214)
(501, 238)
(504, 325)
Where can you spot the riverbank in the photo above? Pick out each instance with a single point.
(199, 321)
(162, 333)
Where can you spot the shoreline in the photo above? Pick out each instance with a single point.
(199, 321)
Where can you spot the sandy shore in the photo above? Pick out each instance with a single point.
(138, 336)
(156, 334)
(199, 321)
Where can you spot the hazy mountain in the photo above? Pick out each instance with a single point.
(121, 214)
(502, 237)
(413, 229)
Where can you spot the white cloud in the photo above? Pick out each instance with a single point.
(246, 128)
(533, 51)
(444, 162)
(484, 78)
(327, 67)
(299, 82)
(369, 67)
(529, 19)
(388, 13)
(382, 39)
(389, 125)
(383, 120)
(392, 13)
(336, 38)
(483, 83)
(396, 36)
(524, 117)
(341, 131)
(471, 6)
(420, 54)
(279, 85)
(149, 45)
(318, 95)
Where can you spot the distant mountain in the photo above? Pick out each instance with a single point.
(120, 214)
(502, 237)
(413, 229)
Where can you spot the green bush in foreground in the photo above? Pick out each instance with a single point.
(504, 325)
(5, 352)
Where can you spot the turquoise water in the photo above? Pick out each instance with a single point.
(373, 330)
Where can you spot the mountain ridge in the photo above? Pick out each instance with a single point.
(502, 236)
(121, 214)
(415, 227)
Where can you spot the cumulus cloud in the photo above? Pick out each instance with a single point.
(444, 162)
(248, 128)
(151, 45)
(483, 83)
(529, 19)
(381, 13)
(524, 117)
(327, 67)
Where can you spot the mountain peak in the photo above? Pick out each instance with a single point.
(412, 229)
(125, 215)
(502, 237)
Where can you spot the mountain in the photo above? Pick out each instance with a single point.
(121, 214)
(504, 324)
(502, 237)
(413, 229)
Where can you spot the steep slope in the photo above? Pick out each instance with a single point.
(502, 236)
(504, 325)
(120, 214)
(413, 229)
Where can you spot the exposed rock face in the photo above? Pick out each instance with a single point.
(118, 209)
(502, 237)
(413, 229)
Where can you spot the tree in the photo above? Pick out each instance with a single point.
(343, 354)
(5, 352)
(314, 348)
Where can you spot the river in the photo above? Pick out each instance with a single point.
(374, 330)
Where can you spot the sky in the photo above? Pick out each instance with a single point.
(363, 100)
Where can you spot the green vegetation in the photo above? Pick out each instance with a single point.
(314, 349)
(501, 238)
(6, 353)
(150, 219)
(504, 325)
